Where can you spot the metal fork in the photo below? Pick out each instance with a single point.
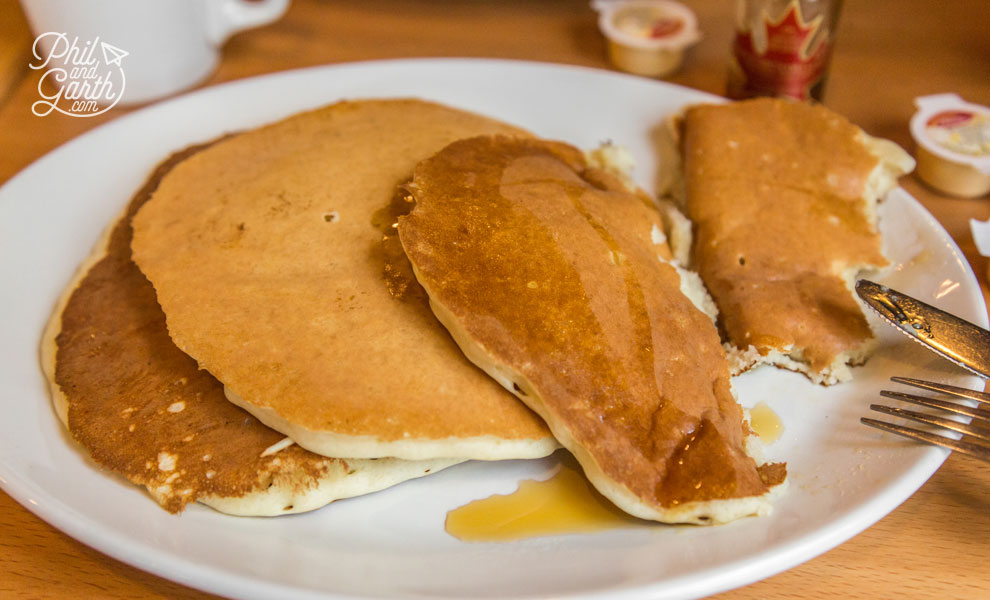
(978, 427)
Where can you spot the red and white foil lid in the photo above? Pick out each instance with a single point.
(950, 128)
(647, 23)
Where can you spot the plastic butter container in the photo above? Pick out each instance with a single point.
(647, 37)
(953, 143)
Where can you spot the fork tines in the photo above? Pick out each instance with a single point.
(978, 427)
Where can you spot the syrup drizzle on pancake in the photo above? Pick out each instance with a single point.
(397, 272)
(548, 278)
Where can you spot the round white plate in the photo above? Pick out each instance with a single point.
(843, 476)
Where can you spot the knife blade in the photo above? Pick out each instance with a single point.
(956, 339)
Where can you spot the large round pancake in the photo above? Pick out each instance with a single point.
(548, 277)
(267, 261)
(145, 410)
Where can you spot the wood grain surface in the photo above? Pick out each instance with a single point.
(15, 46)
(935, 545)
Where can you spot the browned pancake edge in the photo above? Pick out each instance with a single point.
(144, 410)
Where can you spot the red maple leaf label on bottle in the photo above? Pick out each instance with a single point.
(789, 60)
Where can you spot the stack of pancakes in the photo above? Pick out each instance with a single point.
(260, 249)
(376, 290)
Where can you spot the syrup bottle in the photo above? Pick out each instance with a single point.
(782, 48)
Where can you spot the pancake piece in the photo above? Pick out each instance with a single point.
(783, 200)
(144, 410)
(548, 275)
(267, 257)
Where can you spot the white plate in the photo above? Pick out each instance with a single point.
(843, 476)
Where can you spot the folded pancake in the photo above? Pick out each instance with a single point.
(267, 256)
(143, 409)
(550, 277)
(783, 197)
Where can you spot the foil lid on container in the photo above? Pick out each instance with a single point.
(953, 141)
(647, 37)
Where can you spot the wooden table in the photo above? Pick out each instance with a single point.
(937, 544)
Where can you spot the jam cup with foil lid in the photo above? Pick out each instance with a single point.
(953, 144)
(647, 37)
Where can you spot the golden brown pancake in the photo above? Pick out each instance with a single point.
(143, 409)
(782, 196)
(266, 254)
(546, 274)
